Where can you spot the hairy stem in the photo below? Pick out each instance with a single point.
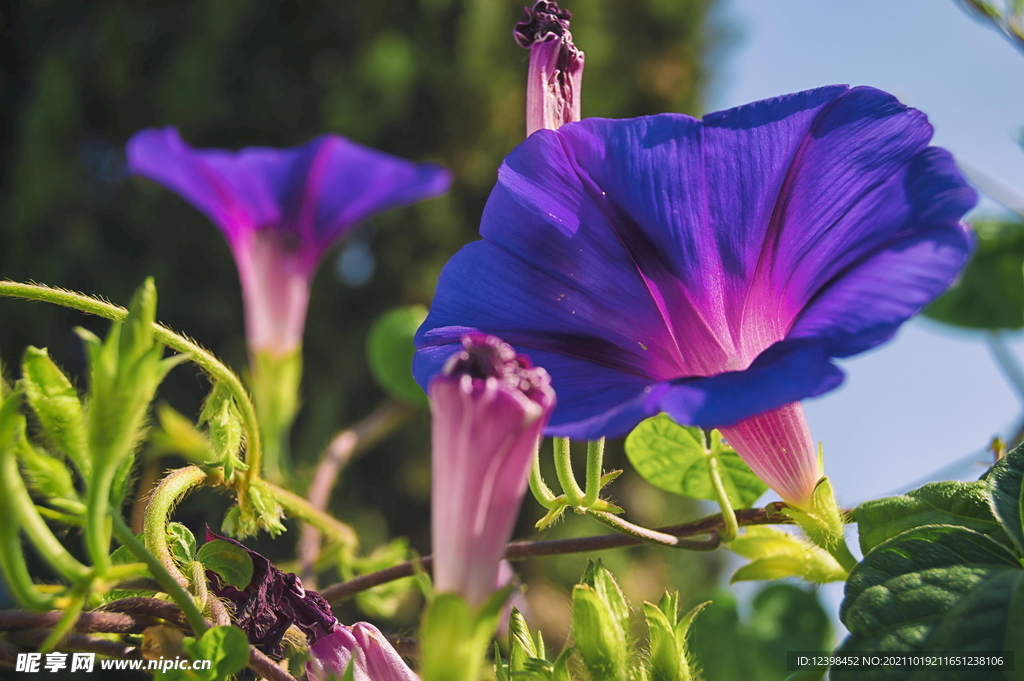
(595, 468)
(563, 469)
(171, 585)
(197, 354)
(731, 528)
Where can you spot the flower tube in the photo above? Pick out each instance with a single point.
(556, 66)
(488, 408)
(712, 268)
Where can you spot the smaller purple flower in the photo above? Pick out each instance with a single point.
(488, 407)
(281, 210)
(556, 67)
(273, 601)
(372, 657)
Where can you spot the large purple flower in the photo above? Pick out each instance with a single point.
(709, 268)
(281, 210)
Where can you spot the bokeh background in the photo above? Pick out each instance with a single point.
(442, 80)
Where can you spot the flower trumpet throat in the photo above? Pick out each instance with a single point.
(488, 408)
(556, 66)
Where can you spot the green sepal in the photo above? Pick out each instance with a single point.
(48, 476)
(221, 417)
(389, 352)
(776, 554)
(124, 373)
(454, 637)
(275, 380)
(950, 502)
(57, 406)
(669, 656)
(674, 458)
(823, 523)
(231, 563)
(257, 509)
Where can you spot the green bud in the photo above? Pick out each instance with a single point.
(603, 581)
(177, 434)
(57, 405)
(601, 641)
(520, 642)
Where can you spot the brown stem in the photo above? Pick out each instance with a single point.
(267, 668)
(521, 550)
(345, 446)
(146, 608)
(83, 642)
(96, 621)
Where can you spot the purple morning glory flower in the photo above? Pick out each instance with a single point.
(555, 78)
(372, 656)
(281, 210)
(709, 268)
(488, 407)
(273, 601)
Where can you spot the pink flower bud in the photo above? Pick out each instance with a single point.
(372, 656)
(488, 407)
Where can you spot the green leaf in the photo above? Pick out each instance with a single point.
(177, 434)
(936, 588)
(1007, 494)
(675, 458)
(57, 405)
(230, 562)
(389, 351)
(990, 291)
(226, 647)
(776, 554)
(183, 544)
(965, 504)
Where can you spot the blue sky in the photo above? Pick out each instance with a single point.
(932, 396)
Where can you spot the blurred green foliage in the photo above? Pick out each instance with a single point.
(437, 80)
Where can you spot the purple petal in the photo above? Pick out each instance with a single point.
(709, 269)
(311, 194)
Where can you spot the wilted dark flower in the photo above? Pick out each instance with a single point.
(273, 601)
